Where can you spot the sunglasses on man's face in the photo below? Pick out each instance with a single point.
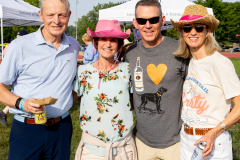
(143, 21)
(198, 28)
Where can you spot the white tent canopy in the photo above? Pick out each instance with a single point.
(18, 13)
(125, 12)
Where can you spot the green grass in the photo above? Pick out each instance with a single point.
(235, 132)
(5, 132)
(236, 63)
(4, 136)
(77, 132)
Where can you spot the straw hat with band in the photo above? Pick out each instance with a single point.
(196, 14)
(108, 29)
(126, 42)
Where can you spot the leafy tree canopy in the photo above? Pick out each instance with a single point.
(228, 14)
(90, 20)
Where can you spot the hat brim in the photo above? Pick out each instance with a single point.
(208, 20)
(109, 34)
(127, 44)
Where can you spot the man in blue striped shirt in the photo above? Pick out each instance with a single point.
(40, 65)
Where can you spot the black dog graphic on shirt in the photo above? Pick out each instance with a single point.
(153, 97)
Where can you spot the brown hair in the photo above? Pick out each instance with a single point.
(120, 43)
(149, 3)
(184, 51)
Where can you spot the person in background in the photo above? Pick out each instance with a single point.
(209, 87)
(104, 87)
(3, 113)
(89, 55)
(124, 49)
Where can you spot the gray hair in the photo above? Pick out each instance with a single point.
(149, 3)
(66, 2)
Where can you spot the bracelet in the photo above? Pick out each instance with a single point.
(21, 104)
(17, 102)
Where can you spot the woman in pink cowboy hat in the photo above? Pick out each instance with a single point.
(209, 87)
(105, 111)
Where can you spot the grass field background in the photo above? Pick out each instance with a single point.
(77, 132)
(235, 130)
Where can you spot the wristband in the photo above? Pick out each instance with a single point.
(21, 104)
(17, 102)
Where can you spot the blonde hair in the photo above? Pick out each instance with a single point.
(86, 37)
(210, 43)
(66, 2)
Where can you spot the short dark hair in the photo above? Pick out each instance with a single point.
(120, 43)
(22, 33)
(149, 3)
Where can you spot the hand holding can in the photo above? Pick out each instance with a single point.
(197, 154)
(42, 117)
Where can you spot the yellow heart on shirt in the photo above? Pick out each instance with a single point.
(156, 74)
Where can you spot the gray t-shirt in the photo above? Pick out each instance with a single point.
(158, 78)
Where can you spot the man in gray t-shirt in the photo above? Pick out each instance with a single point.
(158, 78)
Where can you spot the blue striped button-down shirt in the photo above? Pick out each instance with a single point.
(37, 69)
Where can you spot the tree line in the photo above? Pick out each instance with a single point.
(227, 13)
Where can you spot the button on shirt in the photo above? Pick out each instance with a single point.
(37, 69)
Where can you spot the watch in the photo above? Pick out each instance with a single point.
(223, 126)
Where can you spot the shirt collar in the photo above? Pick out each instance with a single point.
(41, 40)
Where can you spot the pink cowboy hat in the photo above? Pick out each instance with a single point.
(108, 28)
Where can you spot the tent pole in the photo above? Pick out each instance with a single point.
(124, 26)
(2, 35)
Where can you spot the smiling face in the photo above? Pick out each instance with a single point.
(55, 17)
(194, 39)
(150, 33)
(107, 47)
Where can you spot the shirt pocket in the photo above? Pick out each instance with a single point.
(222, 147)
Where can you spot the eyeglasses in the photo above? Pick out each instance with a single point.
(143, 21)
(198, 28)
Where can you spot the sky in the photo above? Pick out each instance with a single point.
(84, 6)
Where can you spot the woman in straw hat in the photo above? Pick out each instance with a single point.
(105, 115)
(126, 45)
(209, 87)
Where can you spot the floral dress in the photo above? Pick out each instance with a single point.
(105, 113)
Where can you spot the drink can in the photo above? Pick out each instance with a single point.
(42, 117)
(197, 154)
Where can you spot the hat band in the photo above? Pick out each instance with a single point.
(190, 17)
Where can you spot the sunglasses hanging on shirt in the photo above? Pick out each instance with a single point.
(143, 21)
